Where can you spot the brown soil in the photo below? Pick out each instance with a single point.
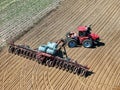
(18, 73)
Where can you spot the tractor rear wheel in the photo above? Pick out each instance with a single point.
(87, 43)
(72, 43)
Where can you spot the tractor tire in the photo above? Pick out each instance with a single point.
(72, 43)
(87, 43)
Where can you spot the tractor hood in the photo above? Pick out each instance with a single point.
(94, 36)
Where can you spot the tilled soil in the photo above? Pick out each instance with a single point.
(18, 73)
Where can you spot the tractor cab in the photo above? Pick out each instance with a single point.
(84, 31)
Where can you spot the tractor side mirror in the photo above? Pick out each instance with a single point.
(89, 27)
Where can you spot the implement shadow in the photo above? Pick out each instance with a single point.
(89, 73)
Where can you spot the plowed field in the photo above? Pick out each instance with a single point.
(18, 73)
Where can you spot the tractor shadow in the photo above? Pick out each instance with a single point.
(98, 45)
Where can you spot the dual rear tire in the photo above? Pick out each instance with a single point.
(87, 43)
(72, 43)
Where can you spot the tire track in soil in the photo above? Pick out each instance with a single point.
(74, 84)
(33, 81)
(58, 79)
(66, 82)
(85, 85)
(47, 81)
(9, 79)
(28, 78)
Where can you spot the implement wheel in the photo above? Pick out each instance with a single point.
(17, 51)
(11, 49)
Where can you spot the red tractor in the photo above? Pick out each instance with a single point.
(84, 37)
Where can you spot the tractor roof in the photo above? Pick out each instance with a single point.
(82, 28)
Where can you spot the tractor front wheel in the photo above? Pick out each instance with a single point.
(72, 43)
(87, 43)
